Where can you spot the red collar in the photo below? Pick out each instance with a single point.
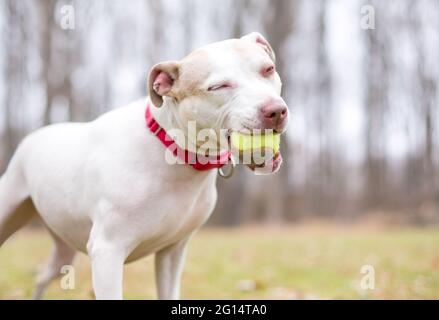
(198, 162)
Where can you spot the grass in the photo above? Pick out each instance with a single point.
(299, 262)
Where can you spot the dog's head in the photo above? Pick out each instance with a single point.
(226, 86)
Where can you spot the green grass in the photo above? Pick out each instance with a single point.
(299, 262)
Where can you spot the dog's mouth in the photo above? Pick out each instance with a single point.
(270, 166)
(257, 150)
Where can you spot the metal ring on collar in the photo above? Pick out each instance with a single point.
(231, 171)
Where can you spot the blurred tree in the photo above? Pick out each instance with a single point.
(426, 97)
(376, 105)
(16, 76)
(47, 25)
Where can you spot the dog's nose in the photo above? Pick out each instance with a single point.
(274, 115)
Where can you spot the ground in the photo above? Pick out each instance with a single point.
(298, 262)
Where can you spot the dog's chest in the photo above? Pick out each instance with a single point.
(173, 216)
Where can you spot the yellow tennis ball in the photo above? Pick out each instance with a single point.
(246, 142)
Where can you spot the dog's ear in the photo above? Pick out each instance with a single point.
(161, 80)
(259, 39)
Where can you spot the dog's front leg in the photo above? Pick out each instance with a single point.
(107, 262)
(169, 266)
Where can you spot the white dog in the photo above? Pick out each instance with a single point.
(105, 188)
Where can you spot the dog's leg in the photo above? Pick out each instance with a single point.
(107, 262)
(16, 208)
(62, 255)
(169, 266)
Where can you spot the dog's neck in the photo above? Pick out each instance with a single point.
(169, 119)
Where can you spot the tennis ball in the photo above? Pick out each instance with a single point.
(246, 142)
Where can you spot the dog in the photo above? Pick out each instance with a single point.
(104, 187)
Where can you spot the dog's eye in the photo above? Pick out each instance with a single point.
(216, 87)
(268, 71)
